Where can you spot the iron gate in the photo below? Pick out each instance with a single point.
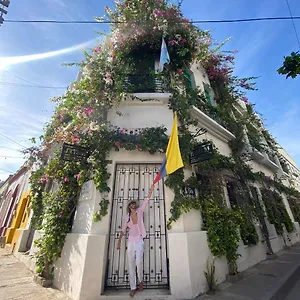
(132, 182)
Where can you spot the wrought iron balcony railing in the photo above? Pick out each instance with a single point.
(145, 83)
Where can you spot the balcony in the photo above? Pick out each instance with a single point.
(270, 162)
(145, 83)
(284, 167)
(211, 125)
(255, 154)
(211, 111)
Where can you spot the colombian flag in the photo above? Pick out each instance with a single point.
(172, 160)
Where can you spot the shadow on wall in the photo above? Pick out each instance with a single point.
(69, 268)
(68, 271)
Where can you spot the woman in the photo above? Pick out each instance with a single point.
(135, 247)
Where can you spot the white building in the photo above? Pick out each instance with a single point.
(90, 266)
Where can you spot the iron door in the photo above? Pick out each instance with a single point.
(132, 182)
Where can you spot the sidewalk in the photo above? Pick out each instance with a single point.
(268, 280)
(16, 282)
(277, 279)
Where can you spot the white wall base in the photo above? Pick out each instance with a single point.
(188, 254)
(294, 237)
(22, 241)
(80, 271)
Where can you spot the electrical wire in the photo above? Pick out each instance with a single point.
(18, 77)
(296, 33)
(6, 171)
(10, 156)
(12, 140)
(139, 22)
(32, 84)
(5, 83)
(10, 148)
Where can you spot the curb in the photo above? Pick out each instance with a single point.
(287, 286)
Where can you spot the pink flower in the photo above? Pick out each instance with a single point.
(66, 179)
(108, 75)
(122, 131)
(77, 176)
(158, 13)
(75, 139)
(60, 214)
(118, 144)
(179, 71)
(98, 49)
(46, 177)
(43, 179)
(229, 58)
(60, 117)
(172, 42)
(88, 111)
(183, 41)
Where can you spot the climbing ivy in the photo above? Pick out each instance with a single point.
(295, 207)
(276, 211)
(36, 196)
(222, 231)
(80, 118)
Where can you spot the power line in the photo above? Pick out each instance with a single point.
(10, 148)
(139, 22)
(10, 156)
(32, 84)
(297, 37)
(7, 171)
(18, 77)
(12, 140)
(5, 83)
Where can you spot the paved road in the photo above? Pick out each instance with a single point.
(294, 294)
(16, 282)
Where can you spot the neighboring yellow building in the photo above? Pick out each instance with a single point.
(20, 219)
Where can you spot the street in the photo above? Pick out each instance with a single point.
(294, 294)
(16, 282)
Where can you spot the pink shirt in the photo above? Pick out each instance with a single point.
(136, 231)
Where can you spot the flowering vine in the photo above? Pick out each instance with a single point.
(80, 118)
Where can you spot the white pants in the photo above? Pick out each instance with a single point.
(135, 252)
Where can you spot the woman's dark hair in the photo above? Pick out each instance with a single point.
(128, 209)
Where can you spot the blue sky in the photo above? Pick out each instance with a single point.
(24, 110)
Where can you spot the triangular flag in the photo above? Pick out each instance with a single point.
(164, 55)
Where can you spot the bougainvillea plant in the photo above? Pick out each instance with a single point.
(80, 118)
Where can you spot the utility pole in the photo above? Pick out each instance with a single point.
(3, 11)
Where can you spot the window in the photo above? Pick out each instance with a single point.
(208, 93)
(189, 76)
(231, 191)
(284, 166)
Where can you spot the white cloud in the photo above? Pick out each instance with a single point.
(13, 60)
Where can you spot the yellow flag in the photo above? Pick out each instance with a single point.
(173, 155)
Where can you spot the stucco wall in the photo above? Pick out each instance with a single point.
(187, 262)
(80, 272)
(135, 114)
